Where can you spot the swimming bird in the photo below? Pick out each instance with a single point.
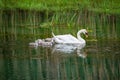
(39, 41)
(69, 39)
(45, 42)
(34, 44)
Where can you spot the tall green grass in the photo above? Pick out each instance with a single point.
(106, 6)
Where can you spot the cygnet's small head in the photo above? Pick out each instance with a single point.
(84, 31)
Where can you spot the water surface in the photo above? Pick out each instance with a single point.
(98, 60)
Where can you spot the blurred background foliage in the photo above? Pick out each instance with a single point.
(108, 6)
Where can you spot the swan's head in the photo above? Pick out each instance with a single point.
(84, 31)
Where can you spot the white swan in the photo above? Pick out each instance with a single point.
(69, 39)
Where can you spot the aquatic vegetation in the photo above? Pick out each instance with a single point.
(38, 18)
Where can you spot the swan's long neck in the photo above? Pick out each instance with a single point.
(79, 37)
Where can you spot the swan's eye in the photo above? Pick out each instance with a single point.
(86, 33)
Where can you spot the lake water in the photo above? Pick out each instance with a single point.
(98, 60)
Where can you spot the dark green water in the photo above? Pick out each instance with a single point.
(98, 60)
(18, 61)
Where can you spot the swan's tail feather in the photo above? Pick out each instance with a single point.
(53, 34)
(54, 39)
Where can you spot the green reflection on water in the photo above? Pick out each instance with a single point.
(19, 61)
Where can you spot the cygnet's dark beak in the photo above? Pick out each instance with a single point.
(86, 34)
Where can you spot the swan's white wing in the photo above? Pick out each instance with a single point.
(61, 38)
(72, 38)
(66, 39)
(58, 40)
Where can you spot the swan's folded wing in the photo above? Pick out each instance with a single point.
(57, 40)
(72, 38)
(66, 39)
(63, 37)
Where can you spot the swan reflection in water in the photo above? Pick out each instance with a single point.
(70, 49)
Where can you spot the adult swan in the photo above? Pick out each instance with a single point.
(69, 39)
